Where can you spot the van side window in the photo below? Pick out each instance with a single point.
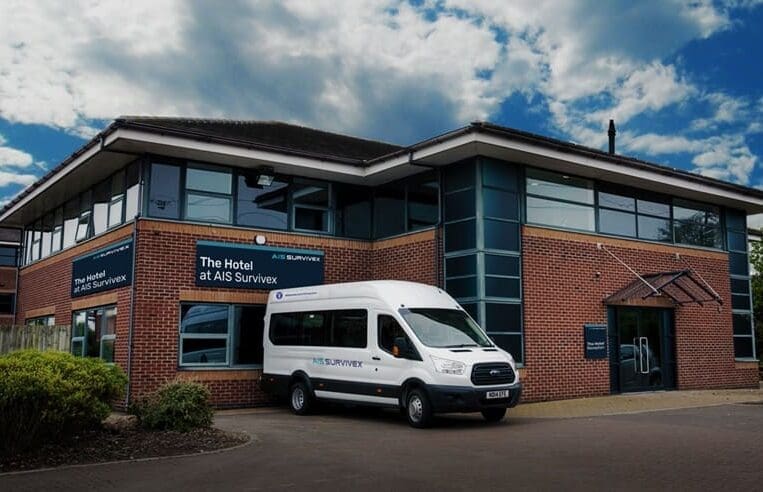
(389, 329)
(340, 328)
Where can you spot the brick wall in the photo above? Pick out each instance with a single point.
(166, 275)
(566, 278)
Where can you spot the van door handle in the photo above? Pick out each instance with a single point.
(375, 358)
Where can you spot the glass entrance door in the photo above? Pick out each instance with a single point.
(640, 352)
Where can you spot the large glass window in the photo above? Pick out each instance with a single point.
(164, 191)
(71, 220)
(101, 199)
(341, 328)
(208, 195)
(94, 332)
(58, 230)
(84, 222)
(8, 256)
(47, 233)
(312, 201)
(262, 206)
(697, 224)
(353, 211)
(560, 200)
(117, 199)
(389, 210)
(36, 240)
(221, 335)
(423, 201)
(132, 193)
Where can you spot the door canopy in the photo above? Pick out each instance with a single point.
(681, 287)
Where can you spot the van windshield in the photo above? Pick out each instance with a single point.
(445, 328)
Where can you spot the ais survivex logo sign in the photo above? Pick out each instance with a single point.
(243, 266)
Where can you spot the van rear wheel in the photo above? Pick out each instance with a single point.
(493, 414)
(300, 401)
(418, 410)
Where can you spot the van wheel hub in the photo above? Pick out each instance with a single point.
(297, 398)
(415, 408)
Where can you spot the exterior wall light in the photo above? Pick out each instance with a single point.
(265, 176)
(260, 239)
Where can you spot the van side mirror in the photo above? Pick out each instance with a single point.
(401, 347)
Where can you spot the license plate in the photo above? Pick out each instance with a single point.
(492, 395)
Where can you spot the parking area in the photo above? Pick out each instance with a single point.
(343, 449)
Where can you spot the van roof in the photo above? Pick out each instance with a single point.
(393, 293)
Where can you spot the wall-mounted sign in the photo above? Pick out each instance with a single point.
(105, 269)
(595, 341)
(243, 266)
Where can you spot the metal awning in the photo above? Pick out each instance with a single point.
(681, 286)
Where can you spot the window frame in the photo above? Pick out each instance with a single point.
(186, 192)
(83, 339)
(229, 336)
(327, 210)
(330, 313)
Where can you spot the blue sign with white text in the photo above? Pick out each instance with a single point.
(244, 266)
(595, 341)
(105, 269)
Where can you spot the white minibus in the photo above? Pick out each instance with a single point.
(387, 343)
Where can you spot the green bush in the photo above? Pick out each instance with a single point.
(177, 405)
(47, 396)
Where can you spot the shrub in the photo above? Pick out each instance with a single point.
(177, 405)
(47, 396)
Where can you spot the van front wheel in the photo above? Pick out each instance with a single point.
(493, 414)
(300, 401)
(418, 409)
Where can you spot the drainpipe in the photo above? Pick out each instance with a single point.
(131, 325)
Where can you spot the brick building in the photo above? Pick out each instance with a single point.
(600, 273)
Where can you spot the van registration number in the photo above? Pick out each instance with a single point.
(492, 395)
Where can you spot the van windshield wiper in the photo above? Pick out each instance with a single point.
(462, 345)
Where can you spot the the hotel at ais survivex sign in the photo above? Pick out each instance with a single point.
(105, 269)
(243, 266)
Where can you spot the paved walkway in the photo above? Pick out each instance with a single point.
(636, 403)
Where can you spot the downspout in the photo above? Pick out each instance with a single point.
(131, 325)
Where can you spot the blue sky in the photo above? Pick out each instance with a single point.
(683, 80)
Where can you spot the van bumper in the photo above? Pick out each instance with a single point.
(451, 399)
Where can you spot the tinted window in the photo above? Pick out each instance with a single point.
(389, 211)
(459, 176)
(743, 348)
(461, 287)
(561, 214)
(353, 212)
(654, 229)
(8, 255)
(101, 199)
(618, 223)
(459, 205)
(342, 328)
(261, 206)
(737, 241)
(501, 287)
(461, 265)
(460, 236)
(619, 202)
(742, 324)
(311, 204)
(133, 190)
(654, 208)
(740, 286)
(207, 208)
(500, 204)
(502, 265)
(164, 191)
(499, 175)
(423, 201)
(204, 318)
(501, 317)
(738, 264)
(208, 180)
(559, 186)
(501, 235)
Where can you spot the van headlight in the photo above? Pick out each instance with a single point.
(447, 366)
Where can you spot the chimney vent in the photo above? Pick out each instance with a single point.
(612, 132)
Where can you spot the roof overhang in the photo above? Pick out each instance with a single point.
(117, 145)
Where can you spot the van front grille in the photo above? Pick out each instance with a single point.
(492, 373)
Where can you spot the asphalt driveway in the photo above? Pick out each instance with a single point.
(699, 448)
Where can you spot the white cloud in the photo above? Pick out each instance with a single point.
(383, 69)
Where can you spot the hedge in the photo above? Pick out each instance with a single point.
(177, 405)
(48, 396)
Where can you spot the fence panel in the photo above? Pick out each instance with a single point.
(17, 337)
